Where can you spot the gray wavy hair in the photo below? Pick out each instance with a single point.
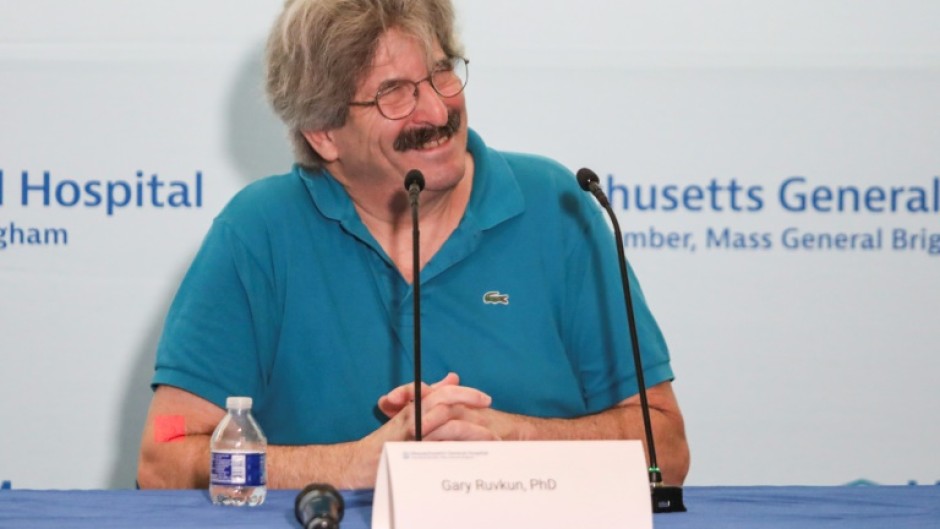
(319, 50)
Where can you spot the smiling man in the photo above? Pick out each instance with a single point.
(301, 294)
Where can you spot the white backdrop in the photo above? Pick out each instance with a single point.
(795, 366)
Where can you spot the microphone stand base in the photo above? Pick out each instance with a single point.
(667, 499)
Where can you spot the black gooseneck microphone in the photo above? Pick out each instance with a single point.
(414, 183)
(319, 506)
(665, 498)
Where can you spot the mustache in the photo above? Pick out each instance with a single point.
(415, 138)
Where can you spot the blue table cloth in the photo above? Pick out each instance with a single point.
(709, 507)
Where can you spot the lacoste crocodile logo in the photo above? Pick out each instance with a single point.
(494, 297)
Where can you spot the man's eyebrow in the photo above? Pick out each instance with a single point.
(443, 62)
(388, 84)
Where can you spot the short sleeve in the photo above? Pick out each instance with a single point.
(220, 322)
(600, 339)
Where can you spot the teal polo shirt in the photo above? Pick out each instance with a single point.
(291, 301)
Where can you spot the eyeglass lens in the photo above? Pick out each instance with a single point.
(400, 100)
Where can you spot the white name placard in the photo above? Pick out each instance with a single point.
(512, 485)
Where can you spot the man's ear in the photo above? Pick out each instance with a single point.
(322, 142)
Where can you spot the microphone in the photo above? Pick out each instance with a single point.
(319, 506)
(590, 183)
(665, 498)
(414, 183)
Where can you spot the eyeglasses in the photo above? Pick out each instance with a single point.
(398, 99)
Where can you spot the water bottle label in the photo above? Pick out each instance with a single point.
(238, 468)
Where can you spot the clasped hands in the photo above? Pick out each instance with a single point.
(450, 412)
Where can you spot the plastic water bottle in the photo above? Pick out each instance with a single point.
(238, 475)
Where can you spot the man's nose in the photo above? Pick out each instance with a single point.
(430, 107)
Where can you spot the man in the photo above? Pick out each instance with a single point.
(301, 294)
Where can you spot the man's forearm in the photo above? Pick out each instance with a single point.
(184, 464)
(350, 465)
(179, 464)
(622, 422)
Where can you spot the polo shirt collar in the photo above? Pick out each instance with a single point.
(496, 196)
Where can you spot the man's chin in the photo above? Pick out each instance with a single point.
(443, 178)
